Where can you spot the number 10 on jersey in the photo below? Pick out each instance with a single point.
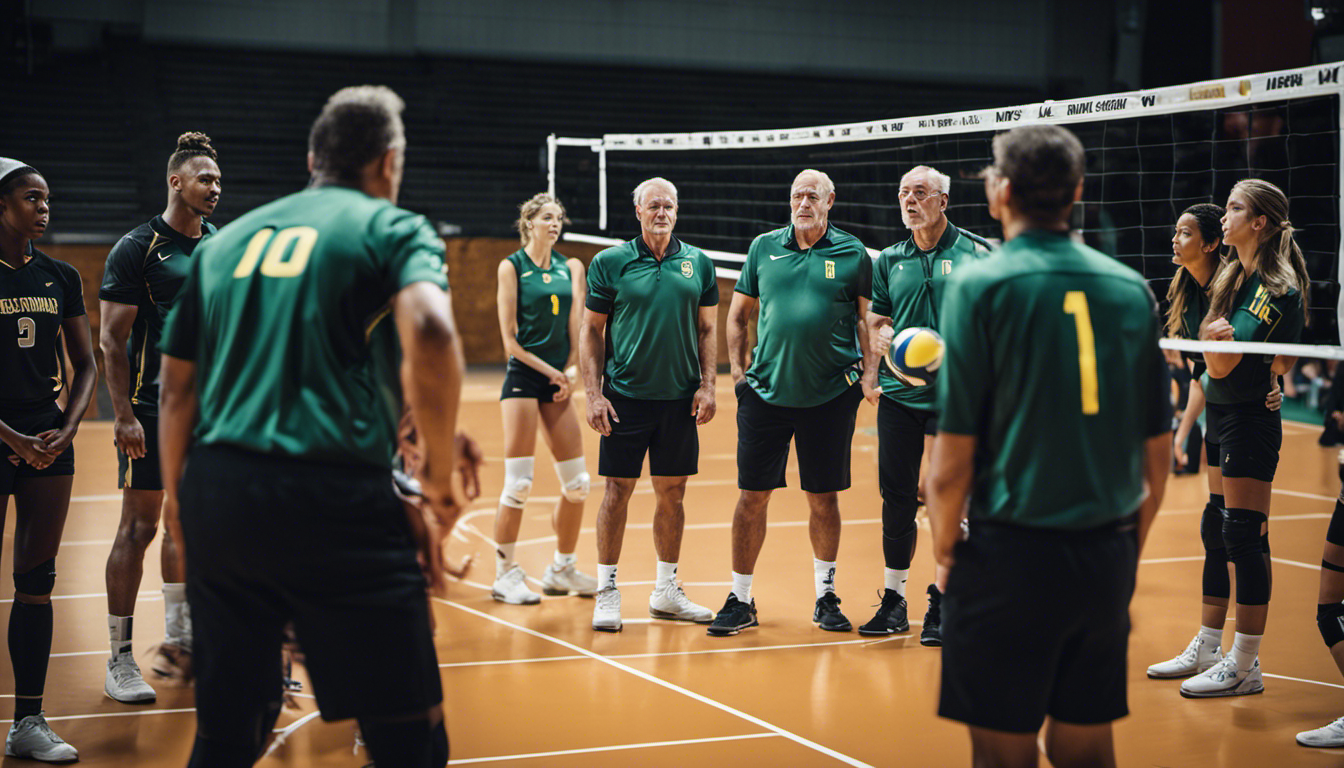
(1075, 303)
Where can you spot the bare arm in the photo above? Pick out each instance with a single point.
(1220, 364)
(739, 312)
(178, 405)
(1156, 464)
(580, 289)
(113, 331)
(871, 392)
(952, 470)
(79, 344)
(592, 357)
(703, 406)
(1283, 364)
(1193, 407)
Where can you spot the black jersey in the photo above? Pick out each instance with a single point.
(34, 300)
(145, 269)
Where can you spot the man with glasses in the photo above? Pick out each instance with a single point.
(908, 282)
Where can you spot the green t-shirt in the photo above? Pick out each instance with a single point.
(1256, 316)
(285, 313)
(544, 299)
(1053, 365)
(807, 345)
(908, 287)
(653, 309)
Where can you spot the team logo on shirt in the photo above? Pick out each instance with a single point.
(1260, 305)
(545, 278)
(830, 269)
(947, 266)
(687, 269)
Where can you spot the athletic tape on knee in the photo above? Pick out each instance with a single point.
(1241, 535)
(574, 479)
(1330, 620)
(37, 582)
(517, 481)
(1211, 528)
(1335, 533)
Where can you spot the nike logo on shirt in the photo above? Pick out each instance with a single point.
(780, 256)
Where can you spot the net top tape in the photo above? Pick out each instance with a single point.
(1318, 79)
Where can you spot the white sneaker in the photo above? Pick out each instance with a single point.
(1197, 657)
(512, 588)
(567, 581)
(32, 738)
(668, 601)
(1331, 735)
(1224, 679)
(607, 610)
(124, 681)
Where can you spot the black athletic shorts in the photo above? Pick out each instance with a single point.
(1036, 623)
(142, 474)
(1250, 438)
(523, 381)
(275, 539)
(665, 429)
(824, 435)
(47, 416)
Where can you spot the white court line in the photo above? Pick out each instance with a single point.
(705, 527)
(1301, 680)
(733, 649)
(645, 745)
(1302, 495)
(104, 652)
(87, 543)
(1193, 558)
(1283, 561)
(99, 497)
(132, 713)
(140, 596)
(665, 684)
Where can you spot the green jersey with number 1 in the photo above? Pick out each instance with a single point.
(285, 313)
(1052, 364)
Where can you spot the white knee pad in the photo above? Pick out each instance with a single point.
(574, 479)
(517, 481)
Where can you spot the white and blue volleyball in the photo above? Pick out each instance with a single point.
(915, 356)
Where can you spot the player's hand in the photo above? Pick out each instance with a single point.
(1179, 456)
(57, 440)
(562, 381)
(601, 415)
(882, 341)
(1274, 400)
(1218, 330)
(33, 451)
(1338, 416)
(470, 459)
(129, 436)
(703, 406)
(871, 392)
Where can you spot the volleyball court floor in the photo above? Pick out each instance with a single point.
(536, 686)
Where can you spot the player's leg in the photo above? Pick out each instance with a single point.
(620, 459)
(560, 427)
(674, 454)
(1330, 615)
(1002, 749)
(1079, 746)
(125, 568)
(40, 507)
(415, 739)
(900, 447)
(520, 416)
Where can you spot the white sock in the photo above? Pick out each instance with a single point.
(606, 576)
(176, 615)
(1244, 650)
(119, 632)
(504, 558)
(562, 560)
(823, 573)
(1213, 637)
(895, 579)
(742, 586)
(666, 573)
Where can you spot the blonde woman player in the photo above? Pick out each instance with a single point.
(540, 304)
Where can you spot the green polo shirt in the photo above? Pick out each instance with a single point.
(544, 298)
(807, 344)
(1256, 316)
(1052, 364)
(653, 310)
(908, 287)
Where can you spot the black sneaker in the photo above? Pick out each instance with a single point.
(890, 618)
(734, 617)
(827, 614)
(932, 634)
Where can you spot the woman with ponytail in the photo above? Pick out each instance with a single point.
(1260, 295)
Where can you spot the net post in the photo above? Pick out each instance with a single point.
(1339, 267)
(550, 165)
(601, 151)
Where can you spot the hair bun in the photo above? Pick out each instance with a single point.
(1286, 224)
(194, 140)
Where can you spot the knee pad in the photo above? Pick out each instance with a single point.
(1330, 620)
(1335, 533)
(517, 481)
(1211, 528)
(1241, 533)
(39, 581)
(574, 479)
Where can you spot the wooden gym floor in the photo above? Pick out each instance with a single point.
(535, 686)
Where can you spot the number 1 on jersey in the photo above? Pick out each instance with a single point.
(555, 304)
(1075, 303)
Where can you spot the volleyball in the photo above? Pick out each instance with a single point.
(915, 356)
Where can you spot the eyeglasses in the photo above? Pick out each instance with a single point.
(920, 195)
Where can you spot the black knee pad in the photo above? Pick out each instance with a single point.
(37, 582)
(1211, 528)
(1330, 620)
(1335, 533)
(1241, 533)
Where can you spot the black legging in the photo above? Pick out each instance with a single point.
(900, 447)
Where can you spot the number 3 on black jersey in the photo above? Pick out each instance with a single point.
(281, 260)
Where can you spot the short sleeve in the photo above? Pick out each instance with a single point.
(124, 273)
(74, 290)
(746, 279)
(709, 297)
(413, 253)
(963, 387)
(601, 294)
(865, 274)
(881, 291)
(1289, 328)
(181, 331)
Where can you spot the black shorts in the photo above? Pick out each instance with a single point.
(1250, 438)
(275, 539)
(1213, 436)
(900, 448)
(142, 474)
(1036, 623)
(824, 435)
(47, 416)
(665, 429)
(522, 381)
